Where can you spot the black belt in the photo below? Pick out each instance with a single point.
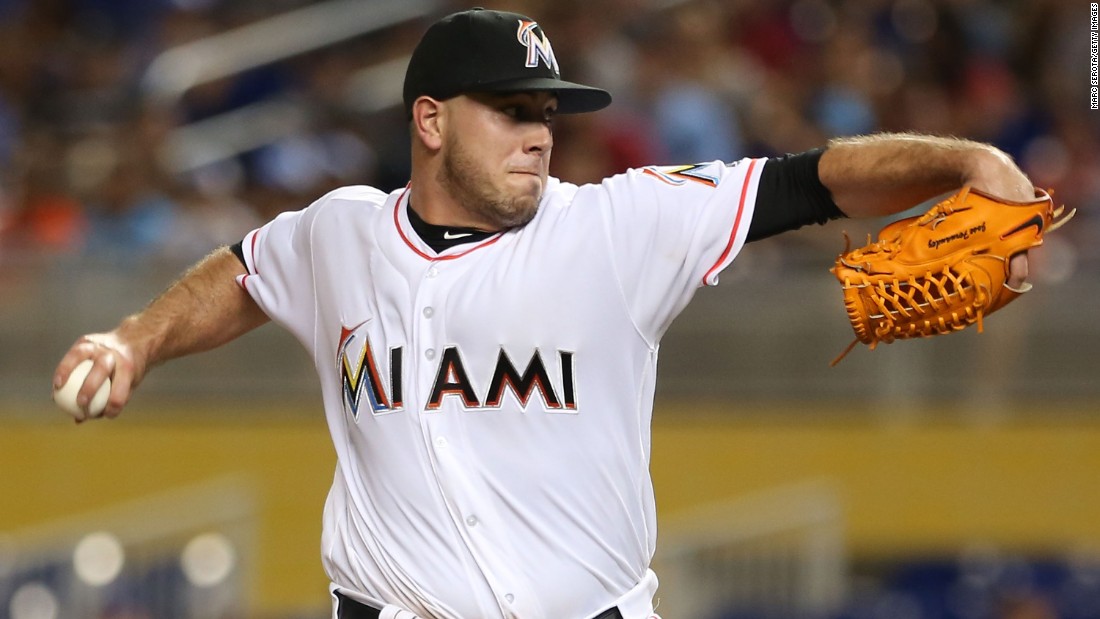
(350, 609)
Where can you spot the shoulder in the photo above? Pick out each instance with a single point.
(558, 193)
(344, 210)
(354, 203)
(564, 195)
(636, 185)
(355, 196)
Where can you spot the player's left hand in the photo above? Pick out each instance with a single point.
(998, 175)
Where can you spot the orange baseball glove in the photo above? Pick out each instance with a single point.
(941, 271)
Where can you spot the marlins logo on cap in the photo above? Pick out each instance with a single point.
(538, 46)
(476, 51)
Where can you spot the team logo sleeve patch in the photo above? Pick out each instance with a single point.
(678, 175)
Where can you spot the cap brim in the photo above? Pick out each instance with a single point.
(572, 98)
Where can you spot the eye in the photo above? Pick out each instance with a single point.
(523, 111)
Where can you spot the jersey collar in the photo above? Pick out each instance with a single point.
(413, 241)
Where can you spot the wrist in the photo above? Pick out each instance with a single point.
(137, 340)
(994, 172)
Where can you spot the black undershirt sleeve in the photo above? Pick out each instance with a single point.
(238, 251)
(790, 195)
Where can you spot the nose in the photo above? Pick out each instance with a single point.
(540, 139)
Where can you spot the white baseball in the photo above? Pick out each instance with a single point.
(66, 395)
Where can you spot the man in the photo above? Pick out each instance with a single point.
(486, 338)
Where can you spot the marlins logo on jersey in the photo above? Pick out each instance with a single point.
(359, 375)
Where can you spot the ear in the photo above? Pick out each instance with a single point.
(428, 121)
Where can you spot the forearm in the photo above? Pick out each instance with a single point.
(202, 310)
(882, 174)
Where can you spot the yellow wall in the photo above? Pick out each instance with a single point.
(53, 470)
(920, 489)
(916, 489)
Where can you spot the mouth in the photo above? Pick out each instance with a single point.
(526, 176)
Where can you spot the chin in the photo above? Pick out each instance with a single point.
(523, 212)
(527, 187)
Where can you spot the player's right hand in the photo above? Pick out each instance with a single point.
(112, 357)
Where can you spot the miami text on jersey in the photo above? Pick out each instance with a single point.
(451, 379)
(360, 376)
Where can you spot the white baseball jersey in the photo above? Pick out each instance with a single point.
(490, 405)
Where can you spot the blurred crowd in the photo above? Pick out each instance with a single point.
(87, 166)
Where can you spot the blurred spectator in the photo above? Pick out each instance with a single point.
(690, 118)
(843, 106)
(1026, 607)
(42, 215)
(588, 149)
(129, 216)
(115, 174)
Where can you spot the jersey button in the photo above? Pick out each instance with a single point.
(441, 442)
(432, 272)
(509, 598)
(428, 312)
(471, 521)
(430, 353)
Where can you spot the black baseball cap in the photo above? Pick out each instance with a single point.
(480, 50)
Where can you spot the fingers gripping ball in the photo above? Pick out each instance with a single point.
(65, 397)
(941, 271)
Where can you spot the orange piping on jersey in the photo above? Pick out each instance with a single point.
(736, 223)
(425, 256)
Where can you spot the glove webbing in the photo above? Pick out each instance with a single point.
(914, 298)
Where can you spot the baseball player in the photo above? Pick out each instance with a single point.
(486, 337)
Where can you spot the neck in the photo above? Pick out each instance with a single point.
(435, 206)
